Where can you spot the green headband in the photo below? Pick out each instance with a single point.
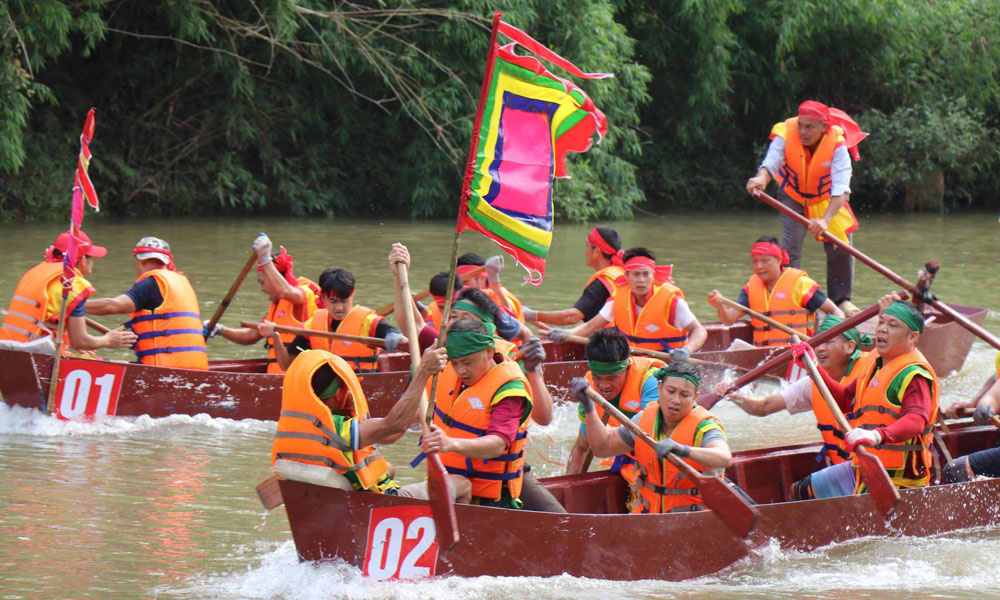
(850, 335)
(331, 389)
(904, 314)
(664, 372)
(599, 367)
(464, 343)
(471, 308)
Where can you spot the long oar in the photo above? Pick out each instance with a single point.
(333, 335)
(442, 506)
(761, 317)
(729, 506)
(50, 403)
(880, 486)
(709, 400)
(389, 308)
(588, 458)
(959, 318)
(231, 293)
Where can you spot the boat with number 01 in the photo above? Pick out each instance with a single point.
(390, 537)
(241, 389)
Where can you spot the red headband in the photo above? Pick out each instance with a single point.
(141, 249)
(661, 273)
(285, 265)
(462, 270)
(815, 110)
(770, 249)
(595, 240)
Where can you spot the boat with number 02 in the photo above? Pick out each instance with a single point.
(390, 537)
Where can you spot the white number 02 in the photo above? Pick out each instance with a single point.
(76, 392)
(388, 542)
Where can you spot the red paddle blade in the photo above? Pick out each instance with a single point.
(269, 493)
(707, 401)
(442, 506)
(878, 482)
(728, 505)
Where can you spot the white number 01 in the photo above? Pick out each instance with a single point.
(388, 541)
(76, 392)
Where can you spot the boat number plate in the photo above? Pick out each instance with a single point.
(402, 543)
(88, 388)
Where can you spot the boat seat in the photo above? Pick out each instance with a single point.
(314, 474)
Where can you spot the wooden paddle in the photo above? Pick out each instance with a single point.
(977, 330)
(709, 400)
(880, 486)
(761, 317)
(438, 486)
(588, 458)
(389, 308)
(361, 339)
(50, 404)
(729, 506)
(269, 492)
(231, 293)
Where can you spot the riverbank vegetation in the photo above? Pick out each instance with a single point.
(303, 107)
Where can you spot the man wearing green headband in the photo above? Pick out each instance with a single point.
(480, 427)
(681, 427)
(894, 399)
(627, 382)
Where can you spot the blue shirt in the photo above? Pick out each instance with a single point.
(145, 294)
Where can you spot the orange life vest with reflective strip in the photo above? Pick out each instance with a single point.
(652, 329)
(170, 335)
(833, 436)
(360, 321)
(780, 305)
(873, 409)
(607, 276)
(515, 304)
(26, 312)
(434, 316)
(657, 485)
(807, 178)
(283, 313)
(467, 416)
(307, 432)
(640, 368)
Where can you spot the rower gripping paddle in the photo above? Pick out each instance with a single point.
(231, 293)
(729, 506)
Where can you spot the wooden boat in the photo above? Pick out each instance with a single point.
(240, 389)
(389, 537)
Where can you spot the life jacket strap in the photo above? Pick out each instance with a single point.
(161, 316)
(170, 350)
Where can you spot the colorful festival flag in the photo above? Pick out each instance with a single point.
(83, 188)
(528, 119)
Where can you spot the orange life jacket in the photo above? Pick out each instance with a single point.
(780, 305)
(607, 276)
(26, 312)
(515, 304)
(875, 409)
(170, 335)
(640, 368)
(467, 416)
(657, 485)
(283, 313)
(308, 433)
(360, 321)
(652, 329)
(434, 316)
(833, 436)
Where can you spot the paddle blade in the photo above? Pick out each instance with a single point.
(442, 505)
(270, 493)
(728, 505)
(707, 401)
(878, 482)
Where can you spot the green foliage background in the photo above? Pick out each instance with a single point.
(343, 108)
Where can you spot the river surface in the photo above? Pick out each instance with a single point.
(165, 508)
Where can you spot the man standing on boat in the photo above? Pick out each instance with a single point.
(164, 310)
(680, 426)
(786, 294)
(324, 424)
(843, 360)
(809, 157)
(604, 255)
(480, 429)
(895, 399)
(627, 382)
(34, 310)
(648, 308)
(293, 301)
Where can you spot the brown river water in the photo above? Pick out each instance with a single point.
(165, 508)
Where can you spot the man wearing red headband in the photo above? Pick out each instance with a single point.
(33, 313)
(648, 308)
(786, 294)
(809, 158)
(293, 301)
(604, 255)
(164, 310)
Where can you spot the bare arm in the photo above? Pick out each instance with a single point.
(110, 306)
(541, 400)
(285, 290)
(266, 329)
(567, 316)
(241, 335)
(726, 315)
(604, 440)
(831, 309)
(716, 455)
(487, 446)
(758, 407)
(577, 453)
(696, 335)
(404, 412)
(586, 329)
(80, 339)
(952, 411)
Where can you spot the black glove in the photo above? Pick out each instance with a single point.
(534, 354)
(983, 414)
(580, 385)
(669, 446)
